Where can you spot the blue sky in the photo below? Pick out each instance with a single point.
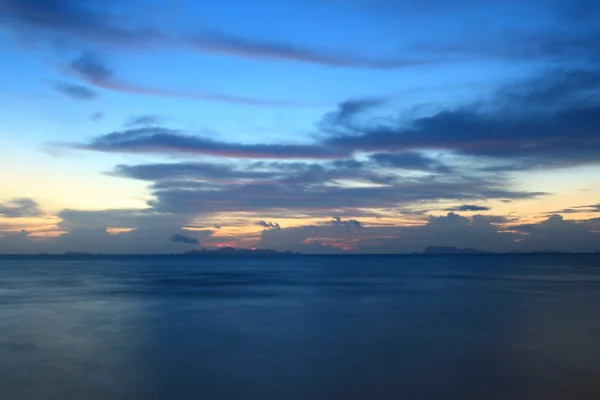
(393, 114)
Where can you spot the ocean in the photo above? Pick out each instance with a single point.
(300, 327)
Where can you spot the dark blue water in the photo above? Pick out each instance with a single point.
(440, 327)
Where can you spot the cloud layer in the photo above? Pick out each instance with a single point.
(149, 233)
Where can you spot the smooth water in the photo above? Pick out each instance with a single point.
(380, 327)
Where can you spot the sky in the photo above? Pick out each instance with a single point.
(317, 126)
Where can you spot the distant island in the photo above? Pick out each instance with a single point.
(221, 251)
(238, 252)
(452, 250)
(233, 252)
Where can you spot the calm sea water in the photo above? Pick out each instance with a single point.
(405, 327)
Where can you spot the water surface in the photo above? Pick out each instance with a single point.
(368, 327)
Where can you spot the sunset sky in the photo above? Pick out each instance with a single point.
(319, 126)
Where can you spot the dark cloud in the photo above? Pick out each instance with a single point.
(328, 187)
(76, 92)
(149, 233)
(164, 140)
(451, 230)
(547, 122)
(348, 109)
(350, 223)
(525, 127)
(179, 238)
(347, 113)
(20, 208)
(91, 68)
(268, 225)
(468, 207)
(558, 234)
(410, 161)
(287, 187)
(299, 198)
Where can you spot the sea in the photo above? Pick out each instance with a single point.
(300, 327)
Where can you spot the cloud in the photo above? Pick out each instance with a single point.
(164, 140)
(211, 172)
(76, 92)
(411, 161)
(118, 231)
(143, 120)
(186, 197)
(268, 225)
(558, 234)
(593, 208)
(146, 219)
(20, 208)
(350, 223)
(468, 208)
(179, 238)
(222, 43)
(327, 187)
(546, 122)
(74, 21)
(97, 116)
(149, 234)
(89, 68)
(451, 230)
(347, 111)
(519, 129)
(91, 21)
(339, 187)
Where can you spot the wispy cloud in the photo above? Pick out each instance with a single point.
(143, 120)
(411, 161)
(468, 208)
(91, 21)
(593, 208)
(76, 92)
(90, 68)
(222, 43)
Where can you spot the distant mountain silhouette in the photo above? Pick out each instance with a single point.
(451, 250)
(238, 252)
